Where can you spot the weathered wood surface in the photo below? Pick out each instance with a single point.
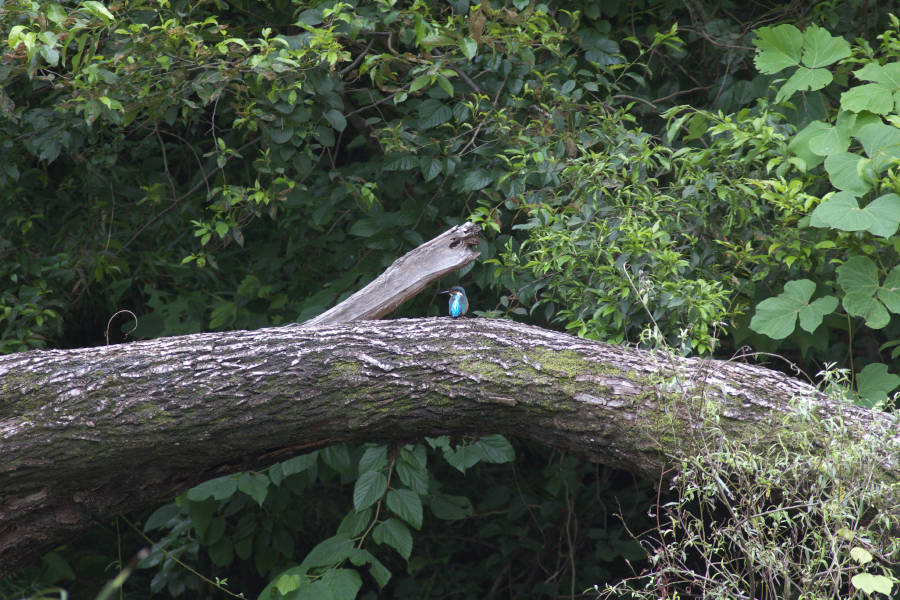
(90, 433)
(407, 276)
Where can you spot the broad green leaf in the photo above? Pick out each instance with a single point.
(800, 144)
(881, 143)
(841, 211)
(463, 456)
(369, 489)
(843, 171)
(872, 97)
(419, 82)
(343, 584)
(829, 141)
(355, 523)
(298, 464)
(433, 113)
(875, 382)
(415, 478)
(889, 292)
(336, 119)
(449, 508)
(430, 167)
(407, 505)
(98, 10)
(803, 80)
(869, 583)
(821, 49)
(469, 47)
(445, 85)
(255, 485)
(220, 488)
(859, 279)
(280, 135)
(496, 449)
(887, 75)
(161, 516)
(395, 534)
(374, 458)
(337, 457)
(776, 317)
(222, 552)
(475, 180)
(328, 552)
(777, 48)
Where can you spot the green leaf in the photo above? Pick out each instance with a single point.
(476, 179)
(844, 172)
(407, 505)
(280, 136)
(870, 583)
(776, 317)
(803, 80)
(220, 488)
(821, 49)
(886, 75)
(98, 10)
(336, 119)
(343, 584)
(415, 478)
(374, 458)
(337, 457)
(801, 146)
(395, 534)
(419, 82)
(859, 279)
(889, 292)
(328, 552)
(299, 464)
(469, 47)
(496, 449)
(430, 167)
(365, 227)
(871, 96)
(161, 516)
(463, 456)
(449, 508)
(874, 383)
(355, 523)
(881, 143)
(829, 141)
(255, 485)
(777, 48)
(445, 85)
(433, 113)
(369, 489)
(881, 217)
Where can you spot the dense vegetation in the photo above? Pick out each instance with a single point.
(704, 176)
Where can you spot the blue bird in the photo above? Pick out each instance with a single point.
(459, 304)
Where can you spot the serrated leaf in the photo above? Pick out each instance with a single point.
(373, 458)
(219, 488)
(872, 97)
(777, 48)
(433, 113)
(430, 167)
(298, 464)
(407, 505)
(463, 456)
(414, 478)
(337, 457)
(777, 317)
(98, 10)
(364, 227)
(369, 489)
(330, 551)
(449, 508)
(476, 179)
(255, 485)
(496, 449)
(355, 523)
(395, 534)
(821, 49)
(343, 584)
(419, 82)
(336, 119)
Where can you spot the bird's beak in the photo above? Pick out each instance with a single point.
(444, 292)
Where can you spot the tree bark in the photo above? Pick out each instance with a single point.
(90, 433)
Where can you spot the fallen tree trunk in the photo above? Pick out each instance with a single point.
(90, 433)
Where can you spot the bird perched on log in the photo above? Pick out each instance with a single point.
(459, 304)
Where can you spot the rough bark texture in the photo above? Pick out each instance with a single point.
(86, 434)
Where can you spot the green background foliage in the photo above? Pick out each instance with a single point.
(708, 176)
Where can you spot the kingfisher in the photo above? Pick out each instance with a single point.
(459, 304)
